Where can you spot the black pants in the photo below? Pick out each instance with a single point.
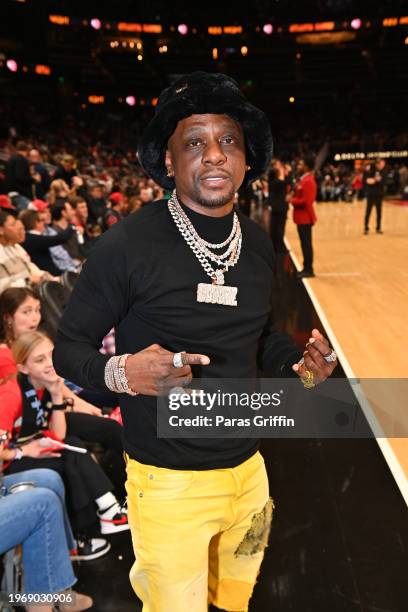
(83, 478)
(377, 202)
(305, 235)
(278, 222)
(107, 433)
(101, 399)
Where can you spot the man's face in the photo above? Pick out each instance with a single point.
(46, 216)
(96, 192)
(207, 155)
(67, 165)
(34, 156)
(301, 166)
(82, 210)
(145, 195)
(12, 231)
(69, 212)
(40, 224)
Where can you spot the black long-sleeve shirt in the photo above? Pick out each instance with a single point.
(141, 277)
(18, 176)
(38, 247)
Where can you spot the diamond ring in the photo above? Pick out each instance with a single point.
(179, 360)
(331, 356)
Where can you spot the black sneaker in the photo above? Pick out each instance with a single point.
(366, 231)
(379, 231)
(90, 548)
(305, 274)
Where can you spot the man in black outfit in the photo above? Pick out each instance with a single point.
(172, 320)
(19, 178)
(38, 245)
(374, 189)
(278, 204)
(65, 170)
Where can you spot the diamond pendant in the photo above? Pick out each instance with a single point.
(219, 277)
(217, 294)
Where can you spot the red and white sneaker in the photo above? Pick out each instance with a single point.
(113, 519)
(89, 549)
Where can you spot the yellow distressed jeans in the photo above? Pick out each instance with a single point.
(198, 536)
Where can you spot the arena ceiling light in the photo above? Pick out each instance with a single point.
(96, 23)
(182, 29)
(268, 28)
(244, 50)
(130, 100)
(356, 23)
(12, 65)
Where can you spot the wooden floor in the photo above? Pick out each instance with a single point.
(361, 286)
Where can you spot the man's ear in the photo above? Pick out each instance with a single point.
(169, 164)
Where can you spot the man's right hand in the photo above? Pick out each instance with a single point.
(151, 371)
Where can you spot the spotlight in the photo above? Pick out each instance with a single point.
(182, 29)
(140, 57)
(268, 28)
(130, 100)
(96, 23)
(215, 53)
(139, 45)
(291, 99)
(356, 24)
(12, 65)
(244, 51)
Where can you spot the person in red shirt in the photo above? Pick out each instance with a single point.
(303, 212)
(117, 210)
(32, 407)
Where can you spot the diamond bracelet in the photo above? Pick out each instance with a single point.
(115, 375)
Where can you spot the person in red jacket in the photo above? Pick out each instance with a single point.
(303, 212)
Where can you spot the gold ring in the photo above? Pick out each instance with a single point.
(309, 383)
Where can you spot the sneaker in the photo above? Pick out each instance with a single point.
(113, 519)
(90, 548)
(79, 602)
(366, 231)
(379, 231)
(305, 274)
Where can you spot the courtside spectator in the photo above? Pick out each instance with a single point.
(38, 245)
(16, 267)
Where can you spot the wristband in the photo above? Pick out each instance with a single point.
(58, 406)
(18, 455)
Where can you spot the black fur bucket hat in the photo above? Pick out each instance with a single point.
(202, 93)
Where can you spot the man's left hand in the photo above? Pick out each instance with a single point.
(316, 349)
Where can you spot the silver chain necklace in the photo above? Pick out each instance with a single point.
(216, 292)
